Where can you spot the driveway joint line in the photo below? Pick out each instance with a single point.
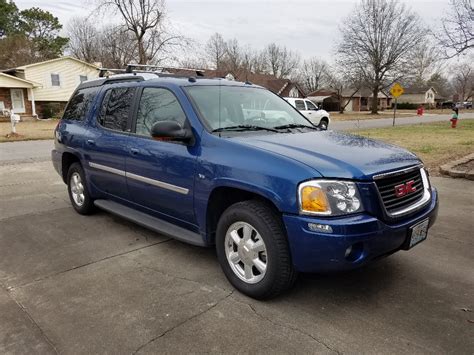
(252, 308)
(31, 319)
(89, 263)
(182, 323)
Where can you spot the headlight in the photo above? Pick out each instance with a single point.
(329, 198)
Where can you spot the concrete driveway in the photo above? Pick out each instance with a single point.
(71, 284)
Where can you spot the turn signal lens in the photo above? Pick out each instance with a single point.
(313, 199)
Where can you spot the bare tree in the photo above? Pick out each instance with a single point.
(463, 80)
(233, 55)
(314, 74)
(117, 47)
(457, 35)
(84, 42)
(216, 51)
(281, 62)
(426, 60)
(145, 19)
(377, 40)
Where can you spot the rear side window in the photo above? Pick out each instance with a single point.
(80, 104)
(299, 104)
(116, 108)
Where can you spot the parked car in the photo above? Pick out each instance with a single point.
(231, 165)
(465, 104)
(316, 115)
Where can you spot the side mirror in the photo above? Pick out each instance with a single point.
(170, 131)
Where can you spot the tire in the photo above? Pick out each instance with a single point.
(265, 226)
(77, 190)
(323, 124)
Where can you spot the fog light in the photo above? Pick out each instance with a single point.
(348, 251)
(354, 252)
(323, 228)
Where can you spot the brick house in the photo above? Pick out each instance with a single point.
(361, 100)
(34, 90)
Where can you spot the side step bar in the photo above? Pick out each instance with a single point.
(150, 222)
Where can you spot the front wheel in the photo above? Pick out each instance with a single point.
(253, 251)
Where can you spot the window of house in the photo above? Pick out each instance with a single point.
(55, 81)
(299, 104)
(82, 78)
(116, 108)
(156, 105)
(79, 105)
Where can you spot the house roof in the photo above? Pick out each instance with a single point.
(23, 67)
(418, 90)
(21, 83)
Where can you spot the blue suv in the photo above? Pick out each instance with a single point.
(214, 162)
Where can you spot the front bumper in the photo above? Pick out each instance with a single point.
(370, 237)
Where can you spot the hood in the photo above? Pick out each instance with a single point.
(334, 154)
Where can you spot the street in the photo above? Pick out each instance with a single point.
(74, 284)
(399, 121)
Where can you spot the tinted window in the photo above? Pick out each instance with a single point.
(311, 106)
(79, 105)
(116, 108)
(299, 104)
(157, 105)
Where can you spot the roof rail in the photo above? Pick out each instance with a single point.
(160, 69)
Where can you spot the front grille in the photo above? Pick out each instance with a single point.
(386, 187)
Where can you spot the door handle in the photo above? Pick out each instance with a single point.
(90, 142)
(134, 151)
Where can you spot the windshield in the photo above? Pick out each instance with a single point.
(239, 107)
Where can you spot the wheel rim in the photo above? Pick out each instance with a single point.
(246, 252)
(77, 189)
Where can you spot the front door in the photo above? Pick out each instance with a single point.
(18, 100)
(160, 174)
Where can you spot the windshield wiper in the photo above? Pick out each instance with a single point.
(294, 125)
(242, 127)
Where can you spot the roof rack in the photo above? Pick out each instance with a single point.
(150, 69)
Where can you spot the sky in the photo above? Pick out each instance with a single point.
(309, 27)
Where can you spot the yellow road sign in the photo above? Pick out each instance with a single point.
(397, 90)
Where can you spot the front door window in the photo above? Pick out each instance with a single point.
(18, 101)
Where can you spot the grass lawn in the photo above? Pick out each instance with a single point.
(435, 143)
(28, 130)
(365, 115)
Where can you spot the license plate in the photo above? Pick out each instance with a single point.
(418, 233)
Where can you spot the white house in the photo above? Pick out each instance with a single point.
(31, 89)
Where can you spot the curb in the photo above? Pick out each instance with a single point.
(450, 168)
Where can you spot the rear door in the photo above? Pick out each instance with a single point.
(106, 145)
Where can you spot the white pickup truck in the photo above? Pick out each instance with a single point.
(317, 116)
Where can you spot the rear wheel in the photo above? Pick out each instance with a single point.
(253, 250)
(77, 189)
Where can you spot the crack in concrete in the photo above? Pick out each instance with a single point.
(89, 263)
(182, 323)
(184, 278)
(31, 319)
(288, 327)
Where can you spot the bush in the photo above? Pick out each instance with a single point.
(52, 110)
(406, 106)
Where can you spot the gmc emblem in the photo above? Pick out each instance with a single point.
(405, 189)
